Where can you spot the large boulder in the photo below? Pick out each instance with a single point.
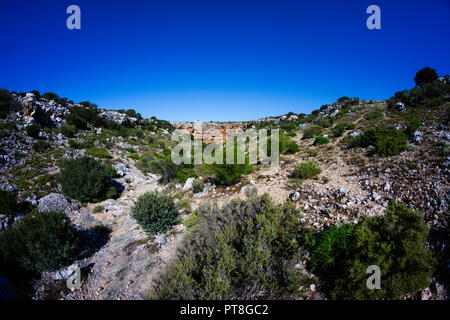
(57, 202)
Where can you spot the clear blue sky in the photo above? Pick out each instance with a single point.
(220, 60)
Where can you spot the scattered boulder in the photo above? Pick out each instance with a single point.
(295, 196)
(188, 184)
(57, 202)
(417, 136)
(400, 106)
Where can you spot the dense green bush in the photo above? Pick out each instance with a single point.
(306, 170)
(395, 242)
(386, 141)
(244, 250)
(8, 202)
(98, 152)
(69, 131)
(320, 140)
(312, 131)
(7, 104)
(33, 131)
(39, 242)
(425, 75)
(155, 213)
(85, 179)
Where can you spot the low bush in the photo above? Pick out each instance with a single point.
(39, 242)
(306, 170)
(386, 141)
(244, 250)
(98, 152)
(375, 114)
(8, 202)
(7, 104)
(33, 131)
(41, 146)
(312, 131)
(413, 125)
(395, 242)
(84, 179)
(155, 213)
(320, 140)
(339, 129)
(198, 186)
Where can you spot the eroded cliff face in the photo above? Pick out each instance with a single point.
(209, 132)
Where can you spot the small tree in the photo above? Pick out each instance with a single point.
(425, 75)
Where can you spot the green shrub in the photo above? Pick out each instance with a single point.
(7, 104)
(425, 75)
(395, 242)
(320, 140)
(33, 131)
(306, 170)
(339, 129)
(413, 125)
(244, 250)
(292, 147)
(312, 131)
(98, 209)
(198, 186)
(229, 174)
(8, 202)
(386, 141)
(41, 146)
(50, 96)
(68, 131)
(84, 179)
(375, 114)
(39, 242)
(155, 213)
(98, 152)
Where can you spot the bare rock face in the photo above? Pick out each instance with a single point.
(57, 202)
(28, 105)
(217, 132)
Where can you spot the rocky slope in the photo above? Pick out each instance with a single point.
(122, 262)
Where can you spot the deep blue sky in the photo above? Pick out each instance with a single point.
(220, 60)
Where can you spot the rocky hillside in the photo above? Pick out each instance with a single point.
(345, 161)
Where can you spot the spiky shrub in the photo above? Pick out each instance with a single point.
(244, 250)
(8, 203)
(306, 170)
(84, 179)
(395, 242)
(155, 213)
(386, 141)
(39, 242)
